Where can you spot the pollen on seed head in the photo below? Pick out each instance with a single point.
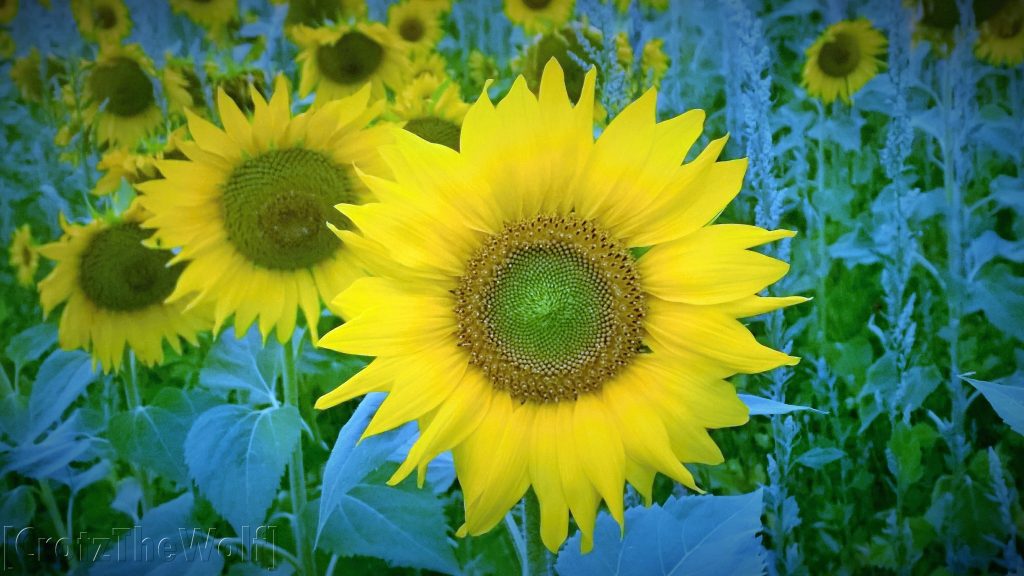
(550, 308)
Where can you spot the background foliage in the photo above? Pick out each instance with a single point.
(909, 206)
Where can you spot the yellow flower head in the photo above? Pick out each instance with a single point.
(537, 16)
(119, 90)
(113, 289)
(481, 67)
(432, 109)
(318, 12)
(1001, 37)
(340, 59)
(105, 21)
(427, 63)
(118, 164)
(8, 10)
(416, 22)
(182, 85)
(214, 15)
(511, 316)
(250, 207)
(24, 255)
(843, 59)
(654, 61)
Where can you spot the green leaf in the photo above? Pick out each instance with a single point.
(705, 535)
(765, 407)
(242, 365)
(818, 457)
(17, 507)
(32, 343)
(906, 444)
(1007, 401)
(1000, 294)
(237, 455)
(62, 378)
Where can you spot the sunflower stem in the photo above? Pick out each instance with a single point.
(296, 469)
(134, 400)
(517, 541)
(537, 557)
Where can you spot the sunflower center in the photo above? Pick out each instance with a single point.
(550, 308)
(105, 17)
(839, 57)
(436, 130)
(119, 274)
(411, 30)
(350, 60)
(536, 4)
(277, 205)
(123, 85)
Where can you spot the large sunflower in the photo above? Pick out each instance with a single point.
(514, 318)
(214, 15)
(843, 59)
(416, 22)
(105, 21)
(113, 289)
(120, 90)
(339, 59)
(1001, 37)
(539, 15)
(250, 207)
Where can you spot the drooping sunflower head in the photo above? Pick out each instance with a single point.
(339, 59)
(214, 15)
(538, 16)
(105, 21)
(182, 85)
(416, 22)
(113, 288)
(242, 83)
(117, 165)
(1001, 38)
(251, 207)
(558, 312)
(843, 59)
(432, 109)
(24, 255)
(120, 90)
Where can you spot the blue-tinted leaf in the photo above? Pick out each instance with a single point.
(243, 365)
(705, 535)
(17, 507)
(765, 407)
(237, 457)
(1000, 294)
(153, 437)
(31, 344)
(62, 377)
(817, 457)
(1007, 401)
(127, 498)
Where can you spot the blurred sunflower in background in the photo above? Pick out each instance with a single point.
(432, 109)
(214, 15)
(8, 10)
(338, 60)
(318, 12)
(182, 86)
(511, 317)
(104, 21)
(416, 22)
(24, 255)
(248, 207)
(1001, 37)
(120, 91)
(843, 59)
(536, 16)
(119, 164)
(113, 289)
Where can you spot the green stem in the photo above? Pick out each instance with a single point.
(820, 292)
(133, 398)
(296, 468)
(50, 503)
(537, 557)
(517, 542)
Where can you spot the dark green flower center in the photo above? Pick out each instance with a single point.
(839, 57)
(277, 205)
(105, 17)
(352, 59)
(118, 273)
(123, 85)
(536, 4)
(411, 29)
(550, 308)
(436, 130)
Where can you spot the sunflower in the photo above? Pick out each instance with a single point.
(8, 10)
(537, 16)
(249, 207)
(239, 81)
(654, 61)
(843, 59)
(510, 314)
(339, 59)
(318, 12)
(120, 91)
(118, 164)
(24, 255)
(1001, 38)
(426, 62)
(433, 110)
(416, 22)
(113, 289)
(214, 15)
(105, 21)
(182, 85)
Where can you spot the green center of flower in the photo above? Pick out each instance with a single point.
(411, 30)
(123, 85)
(550, 309)
(105, 17)
(436, 130)
(351, 60)
(118, 273)
(277, 205)
(536, 4)
(839, 57)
